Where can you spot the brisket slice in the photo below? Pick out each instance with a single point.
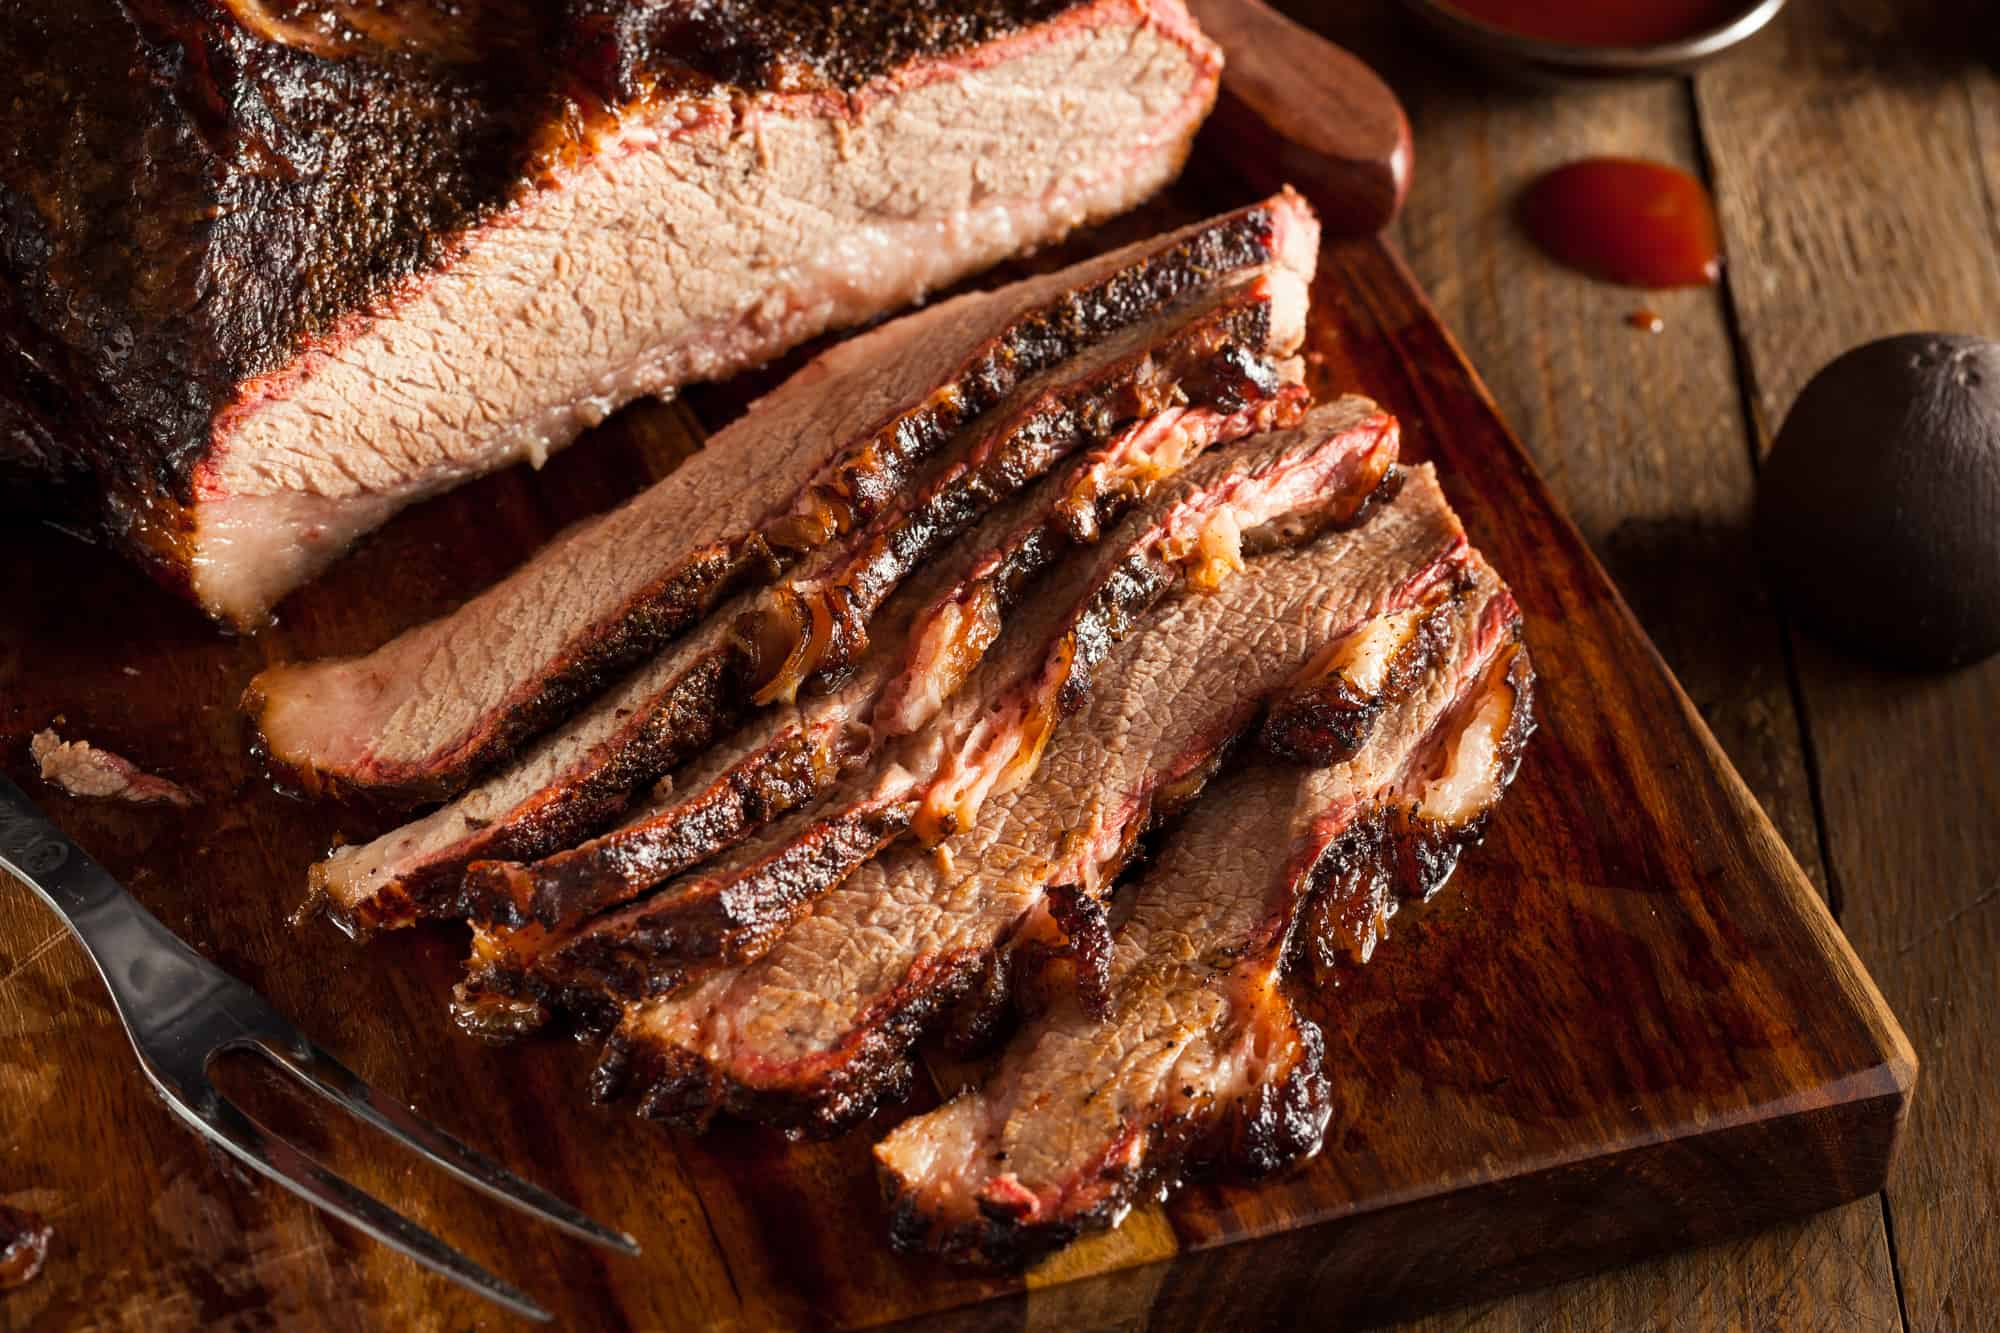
(814, 622)
(820, 456)
(1202, 1061)
(1325, 716)
(268, 273)
(676, 713)
(990, 738)
(817, 1032)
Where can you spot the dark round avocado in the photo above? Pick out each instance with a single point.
(1878, 511)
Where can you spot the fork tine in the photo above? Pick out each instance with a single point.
(320, 1071)
(271, 1156)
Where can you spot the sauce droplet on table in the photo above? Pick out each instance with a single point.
(1602, 22)
(1640, 223)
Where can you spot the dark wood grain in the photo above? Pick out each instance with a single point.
(1629, 1026)
(1859, 200)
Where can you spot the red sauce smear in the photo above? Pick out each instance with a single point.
(1602, 22)
(1646, 321)
(1638, 223)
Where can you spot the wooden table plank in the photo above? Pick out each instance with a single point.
(1642, 438)
(1858, 160)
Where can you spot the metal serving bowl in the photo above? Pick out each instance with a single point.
(1561, 62)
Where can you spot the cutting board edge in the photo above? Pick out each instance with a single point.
(1355, 1269)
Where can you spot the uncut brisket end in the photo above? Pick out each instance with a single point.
(822, 455)
(1202, 1061)
(990, 738)
(270, 273)
(818, 1032)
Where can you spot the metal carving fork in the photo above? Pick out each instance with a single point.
(181, 1012)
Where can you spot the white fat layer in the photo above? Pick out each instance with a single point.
(1469, 783)
(1366, 655)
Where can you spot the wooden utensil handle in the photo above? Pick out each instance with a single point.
(1302, 110)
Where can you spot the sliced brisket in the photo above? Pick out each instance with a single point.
(674, 707)
(269, 273)
(990, 738)
(1203, 1061)
(830, 449)
(817, 1032)
(953, 635)
(1325, 716)
(1441, 812)
(739, 903)
(781, 758)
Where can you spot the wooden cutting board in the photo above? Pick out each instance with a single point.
(1628, 1024)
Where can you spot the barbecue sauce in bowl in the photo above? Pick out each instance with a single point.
(1644, 224)
(1614, 23)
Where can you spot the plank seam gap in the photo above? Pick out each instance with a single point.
(1746, 395)
(1895, 1266)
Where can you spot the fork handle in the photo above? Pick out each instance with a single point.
(146, 967)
